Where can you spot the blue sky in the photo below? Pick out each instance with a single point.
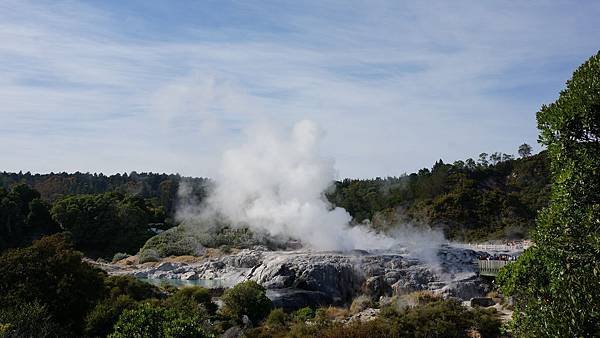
(114, 86)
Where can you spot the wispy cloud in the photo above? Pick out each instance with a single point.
(111, 86)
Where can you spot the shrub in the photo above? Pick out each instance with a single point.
(361, 303)
(421, 298)
(304, 314)
(335, 313)
(100, 321)
(374, 328)
(147, 320)
(276, 319)
(52, 274)
(148, 255)
(447, 318)
(27, 320)
(119, 256)
(132, 287)
(192, 297)
(176, 241)
(486, 322)
(247, 298)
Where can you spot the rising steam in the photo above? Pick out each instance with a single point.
(275, 183)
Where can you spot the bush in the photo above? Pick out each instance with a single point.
(148, 255)
(119, 256)
(132, 287)
(193, 298)
(247, 298)
(100, 321)
(276, 319)
(361, 303)
(304, 314)
(486, 322)
(176, 241)
(148, 320)
(374, 328)
(27, 320)
(50, 273)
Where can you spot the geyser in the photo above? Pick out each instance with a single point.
(275, 183)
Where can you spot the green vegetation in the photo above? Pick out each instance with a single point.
(49, 276)
(104, 224)
(437, 318)
(556, 283)
(46, 290)
(247, 298)
(148, 320)
(498, 197)
(159, 189)
(192, 238)
(23, 217)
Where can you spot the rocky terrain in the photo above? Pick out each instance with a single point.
(299, 278)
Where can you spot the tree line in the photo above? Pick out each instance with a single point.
(497, 196)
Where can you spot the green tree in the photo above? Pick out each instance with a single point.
(525, 150)
(103, 317)
(23, 217)
(192, 298)
(152, 321)
(104, 224)
(50, 273)
(483, 159)
(29, 319)
(247, 298)
(556, 283)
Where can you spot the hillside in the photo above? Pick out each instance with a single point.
(468, 200)
(161, 189)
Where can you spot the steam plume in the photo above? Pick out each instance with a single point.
(275, 183)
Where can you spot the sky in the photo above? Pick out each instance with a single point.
(166, 86)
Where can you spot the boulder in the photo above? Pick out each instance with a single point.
(190, 275)
(293, 299)
(466, 288)
(166, 266)
(244, 259)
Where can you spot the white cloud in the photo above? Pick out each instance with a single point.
(395, 86)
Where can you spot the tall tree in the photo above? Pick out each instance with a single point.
(525, 150)
(556, 283)
(483, 159)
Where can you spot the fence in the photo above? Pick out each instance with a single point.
(490, 267)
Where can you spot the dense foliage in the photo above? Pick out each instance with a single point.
(496, 197)
(105, 224)
(160, 189)
(438, 318)
(49, 276)
(46, 290)
(24, 216)
(556, 283)
(247, 298)
(151, 321)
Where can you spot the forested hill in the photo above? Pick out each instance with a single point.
(496, 197)
(160, 188)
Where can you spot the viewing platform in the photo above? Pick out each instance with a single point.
(490, 268)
